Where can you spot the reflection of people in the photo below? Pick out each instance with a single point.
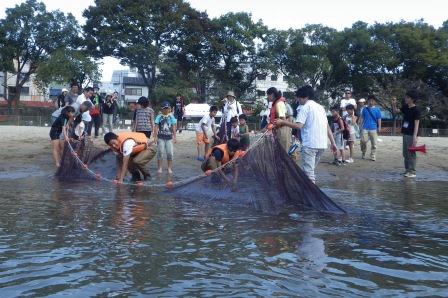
(409, 128)
(130, 213)
(133, 154)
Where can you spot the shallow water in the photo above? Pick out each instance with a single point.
(92, 238)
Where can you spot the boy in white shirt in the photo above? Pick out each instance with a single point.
(203, 129)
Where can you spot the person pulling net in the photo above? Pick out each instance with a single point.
(264, 177)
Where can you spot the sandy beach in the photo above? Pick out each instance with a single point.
(26, 151)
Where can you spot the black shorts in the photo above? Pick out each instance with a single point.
(179, 117)
(55, 133)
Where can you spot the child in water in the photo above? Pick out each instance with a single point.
(58, 132)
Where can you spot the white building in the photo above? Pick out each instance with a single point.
(279, 81)
(129, 85)
(29, 91)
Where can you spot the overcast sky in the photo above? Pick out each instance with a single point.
(284, 14)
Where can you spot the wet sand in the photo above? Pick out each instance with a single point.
(26, 151)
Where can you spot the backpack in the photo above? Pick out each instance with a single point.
(346, 130)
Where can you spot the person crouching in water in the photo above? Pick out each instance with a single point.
(220, 155)
(58, 132)
(133, 154)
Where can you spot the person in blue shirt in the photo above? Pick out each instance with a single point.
(371, 125)
(165, 136)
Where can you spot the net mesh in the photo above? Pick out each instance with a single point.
(268, 179)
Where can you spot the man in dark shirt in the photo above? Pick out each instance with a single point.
(409, 129)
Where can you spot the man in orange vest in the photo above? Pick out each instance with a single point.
(133, 154)
(220, 155)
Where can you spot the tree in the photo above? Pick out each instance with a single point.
(138, 32)
(31, 35)
(68, 66)
(241, 51)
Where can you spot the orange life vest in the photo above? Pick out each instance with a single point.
(226, 157)
(273, 113)
(140, 139)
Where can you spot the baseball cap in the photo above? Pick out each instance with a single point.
(362, 100)
(64, 90)
(165, 105)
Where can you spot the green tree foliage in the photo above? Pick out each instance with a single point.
(241, 51)
(139, 33)
(30, 35)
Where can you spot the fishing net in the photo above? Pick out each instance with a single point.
(268, 179)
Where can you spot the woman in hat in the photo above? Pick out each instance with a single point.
(232, 108)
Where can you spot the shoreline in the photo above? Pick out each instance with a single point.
(26, 150)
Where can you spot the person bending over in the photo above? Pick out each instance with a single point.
(133, 154)
(58, 132)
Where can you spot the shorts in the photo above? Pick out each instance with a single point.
(352, 137)
(201, 138)
(179, 117)
(55, 134)
(339, 140)
(164, 149)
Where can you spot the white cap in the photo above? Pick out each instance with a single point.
(64, 90)
(362, 100)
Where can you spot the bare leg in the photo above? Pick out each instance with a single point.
(56, 155)
(170, 166)
(159, 166)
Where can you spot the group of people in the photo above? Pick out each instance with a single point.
(77, 114)
(351, 120)
(153, 135)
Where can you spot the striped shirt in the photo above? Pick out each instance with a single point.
(144, 119)
(314, 132)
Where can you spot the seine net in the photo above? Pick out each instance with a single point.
(268, 179)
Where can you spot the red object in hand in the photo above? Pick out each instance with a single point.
(421, 148)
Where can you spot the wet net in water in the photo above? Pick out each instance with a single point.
(268, 179)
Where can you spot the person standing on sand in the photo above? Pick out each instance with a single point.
(108, 113)
(179, 112)
(144, 117)
(58, 132)
(204, 128)
(347, 101)
(232, 108)
(165, 136)
(351, 119)
(279, 111)
(371, 120)
(409, 129)
(60, 102)
(315, 130)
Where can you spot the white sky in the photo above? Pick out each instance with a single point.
(284, 14)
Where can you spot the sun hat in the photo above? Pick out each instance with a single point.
(230, 93)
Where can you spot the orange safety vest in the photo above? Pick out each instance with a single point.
(273, 115)
(139, 138)
(226, 157)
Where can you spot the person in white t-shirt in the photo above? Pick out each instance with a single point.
(314, 129)
(86, 95)
(134, 152)
(348, 100)
(203, 130)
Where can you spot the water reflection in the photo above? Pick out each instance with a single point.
(92, 239)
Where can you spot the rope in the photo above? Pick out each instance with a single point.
(169, 184)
